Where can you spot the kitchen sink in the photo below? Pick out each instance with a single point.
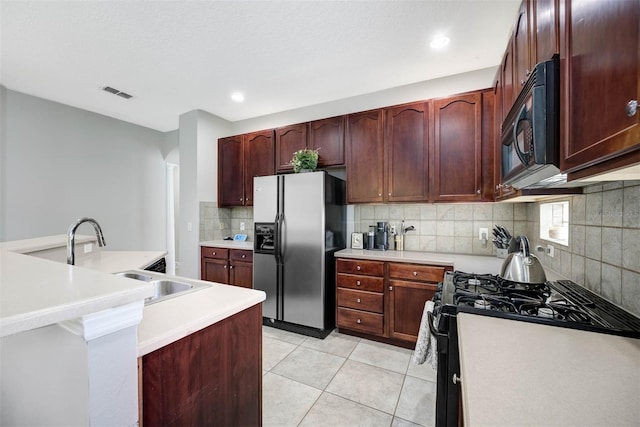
(136, 276)
(163, 288)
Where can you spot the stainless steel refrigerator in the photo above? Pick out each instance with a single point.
(300, 221)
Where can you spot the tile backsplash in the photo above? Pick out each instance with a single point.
(604, 242)
(450, 228)
(604, 233)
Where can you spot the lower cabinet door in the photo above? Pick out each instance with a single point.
(215, 270)
(356, 320)
(406, 304)
(241, 274)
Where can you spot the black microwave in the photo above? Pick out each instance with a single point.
(530, 132)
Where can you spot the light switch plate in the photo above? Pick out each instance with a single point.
(483, 233)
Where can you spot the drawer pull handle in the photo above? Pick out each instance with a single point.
(415, 273)
(456, 379)
(358, 283)
(632, 108)
(358, 300)
(358, 321)
(358, 268)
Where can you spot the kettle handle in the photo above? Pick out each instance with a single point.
(524, 246)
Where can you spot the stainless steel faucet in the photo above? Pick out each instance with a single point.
(71, 237)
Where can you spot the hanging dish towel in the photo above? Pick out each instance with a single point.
(426, 345)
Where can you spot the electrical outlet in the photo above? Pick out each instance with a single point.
(550, 250)
(242, 226)
(221, 225)
(483, 233)
(393, 229)
(88, 248)
(189, 226)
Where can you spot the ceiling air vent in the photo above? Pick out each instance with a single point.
(117, 92)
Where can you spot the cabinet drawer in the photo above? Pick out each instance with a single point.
(423, 273)
(360, 300)
(241, 255)
(220, 253)
(357, 266)
(360, 321)
(361, 283)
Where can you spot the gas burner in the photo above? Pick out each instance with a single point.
(484, 301)
(485, 283)
(561, 311)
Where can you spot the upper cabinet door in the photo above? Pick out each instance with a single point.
(289, 139)
(457, 148)
(600, 57)
(545, 30)
(328, 136)
(509, 90)
(259, 158)
(521, 48)
(406, 139)
(230, 171)
(364, 148)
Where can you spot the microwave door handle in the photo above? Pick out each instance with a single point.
(522, 156)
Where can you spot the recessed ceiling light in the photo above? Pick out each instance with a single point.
(237, 96)
(439, 42)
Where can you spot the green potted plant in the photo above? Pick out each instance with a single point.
(305, 160)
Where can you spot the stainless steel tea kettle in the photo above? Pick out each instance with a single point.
(522, 266)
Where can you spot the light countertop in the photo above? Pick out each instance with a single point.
(172, 319)
(468, 263)
(38, 292)
(519, 373)
(229, 244)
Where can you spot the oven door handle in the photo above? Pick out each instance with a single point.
(431, 327)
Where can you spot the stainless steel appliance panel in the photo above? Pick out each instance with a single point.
(265, 198)
(303, 249)
(265, 272)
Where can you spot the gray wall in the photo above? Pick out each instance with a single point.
(60, 163)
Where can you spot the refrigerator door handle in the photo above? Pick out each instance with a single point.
(276, 239)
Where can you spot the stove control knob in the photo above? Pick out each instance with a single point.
(456, 379)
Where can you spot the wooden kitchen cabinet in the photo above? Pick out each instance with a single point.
(456, 144)
(545, 26)
(240, 159)
(410, 286)
(211, 377)
(289, 139)
(227, 266)
(241, 268)
(364, 147)
(521, 48)
(328, 137)
(600, 69)
(406, 142)
(384, 300)
(359, 296)
(231, 171)
(259, 152)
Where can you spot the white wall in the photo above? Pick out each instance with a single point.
(61, 163)
(199, 133)
(445, 86)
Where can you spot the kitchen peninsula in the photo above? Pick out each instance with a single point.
(71, 336)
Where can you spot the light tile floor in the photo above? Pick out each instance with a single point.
(343, 381)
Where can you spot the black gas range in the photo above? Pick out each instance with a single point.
(560, 303)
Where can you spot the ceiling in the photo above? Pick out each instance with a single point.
(177, 56)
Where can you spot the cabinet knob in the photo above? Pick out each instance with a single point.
(213, 253)
(522, 82)
(241, 199)
(390, 288)
(379, 194)
(358, 321)
(358, 267)
(224, 266)
(415, 274)
(231, 267)
(244, 256)
(358, 283)
(478, 192)
(632, 107)
(389, 193)
(358, 300)
(527, 73)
